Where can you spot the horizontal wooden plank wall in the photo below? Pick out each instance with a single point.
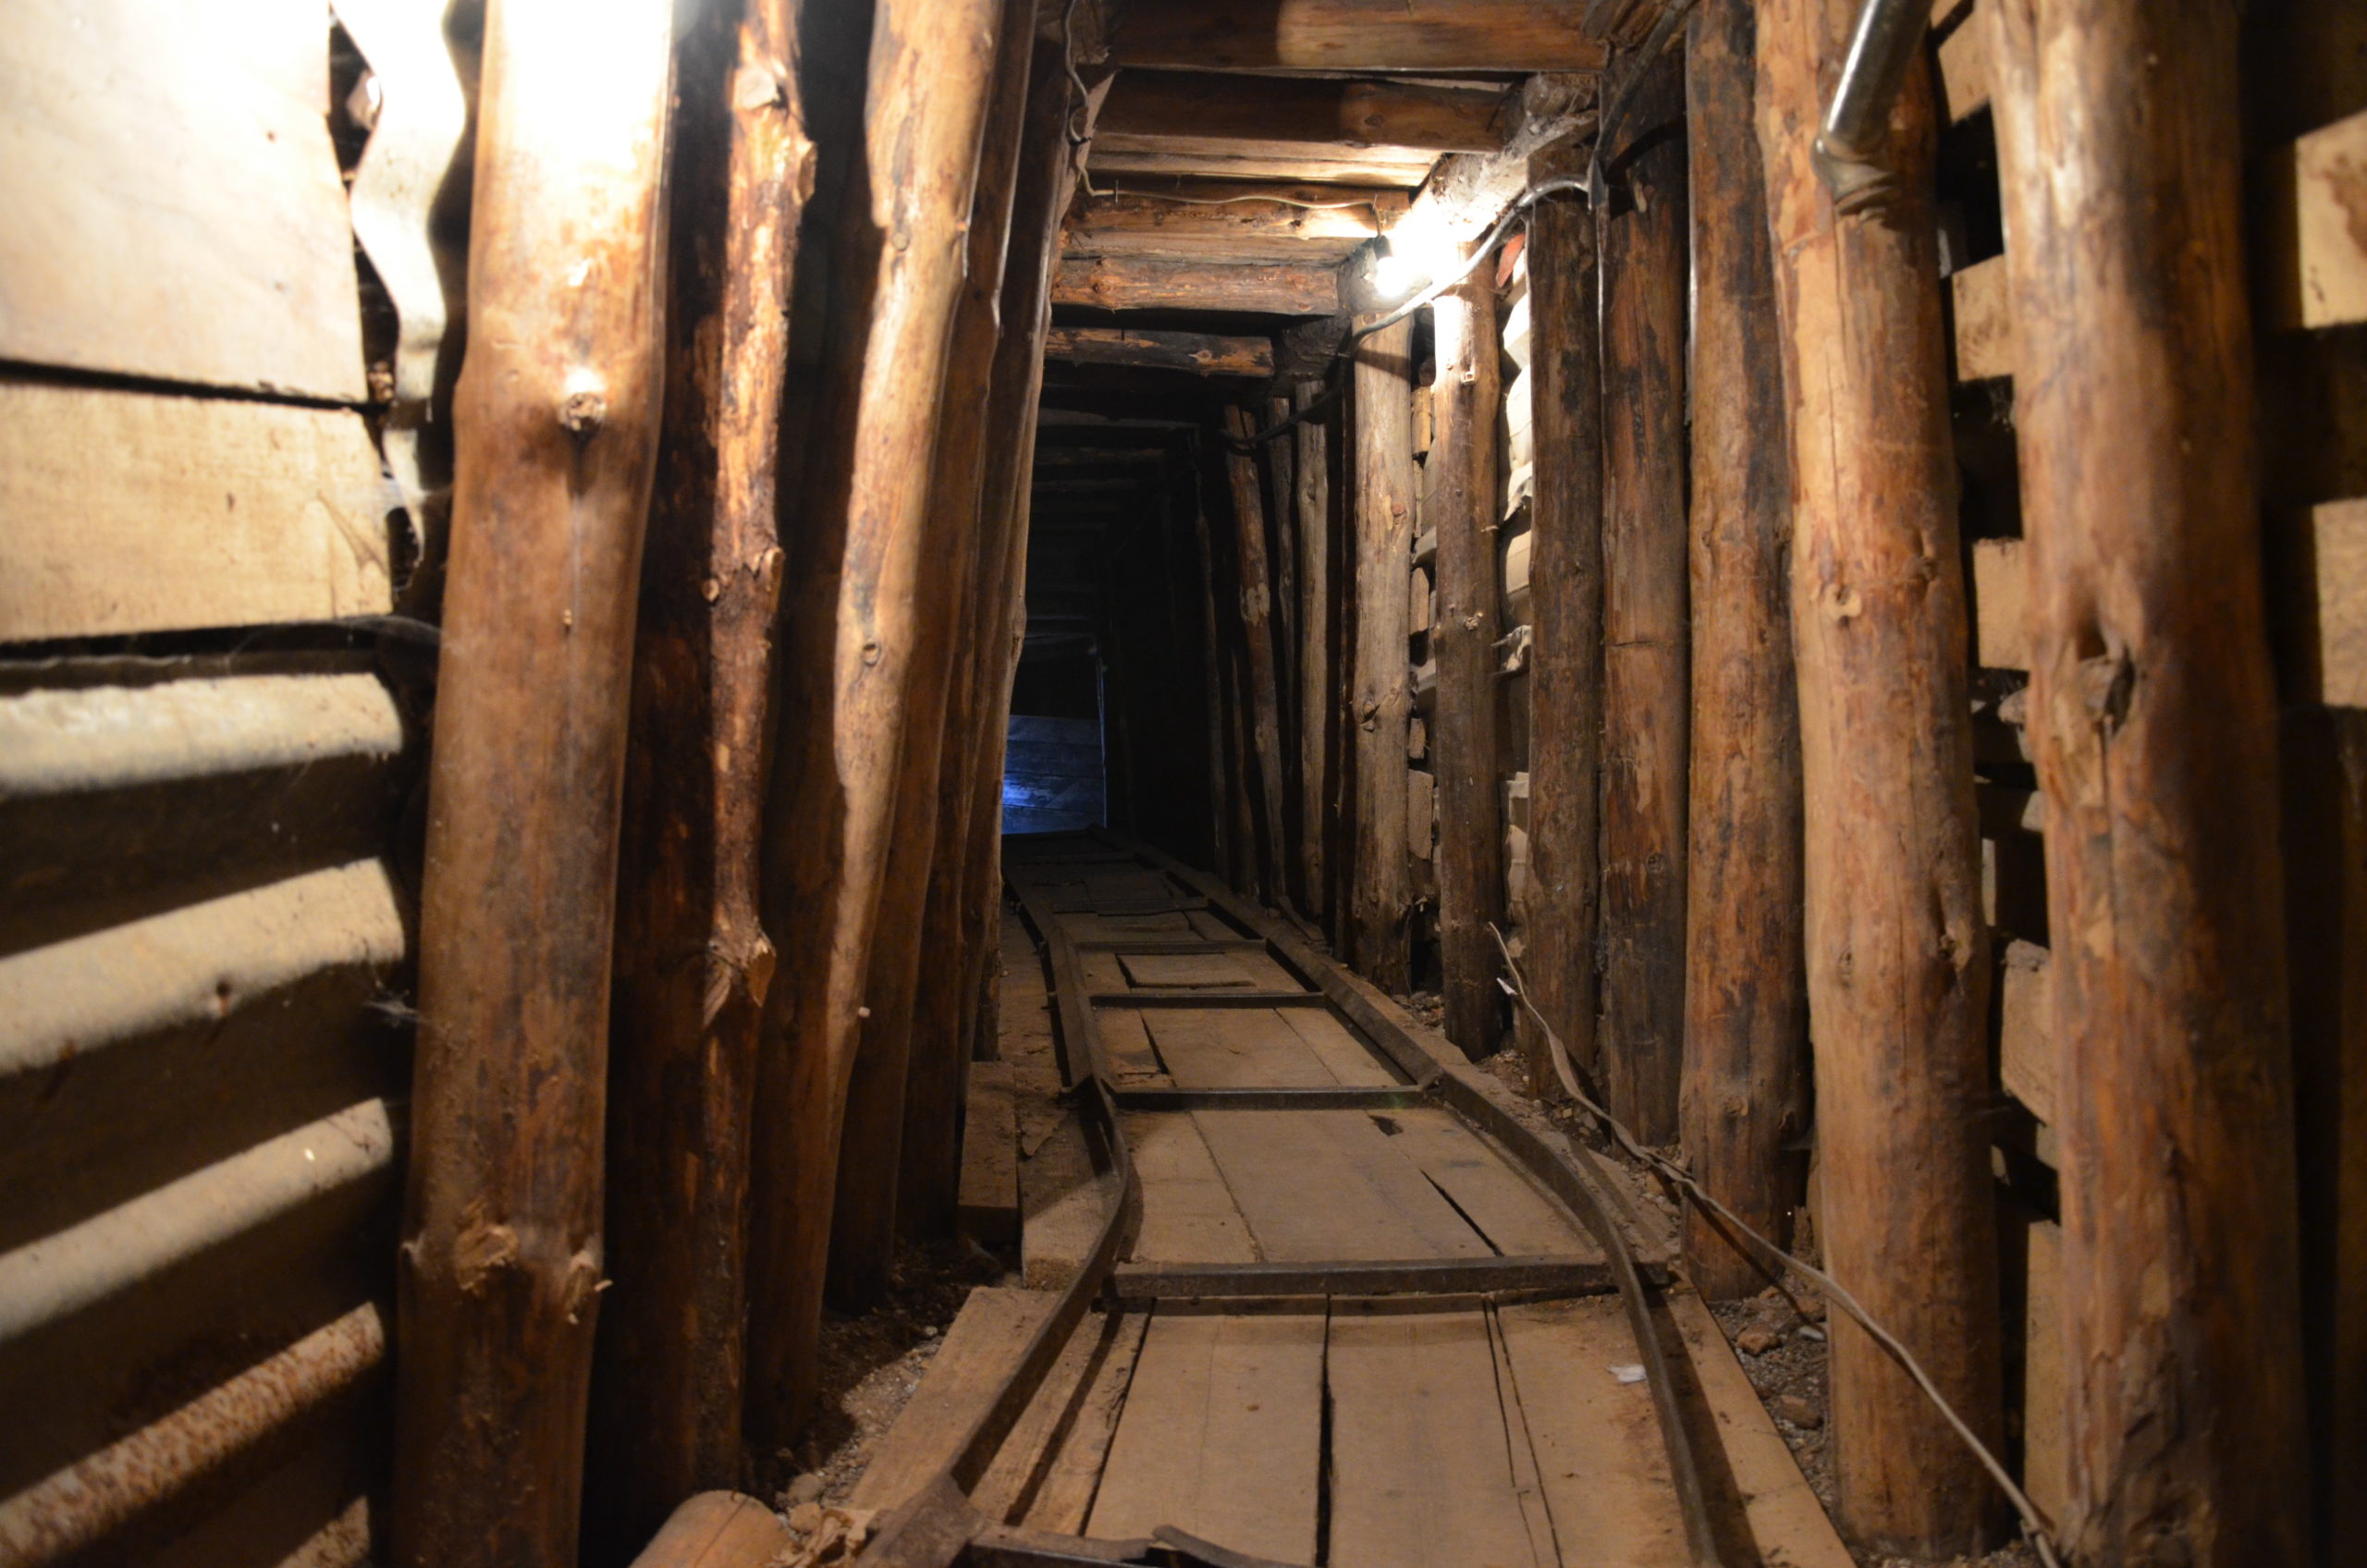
(206, 928)
(174, 204)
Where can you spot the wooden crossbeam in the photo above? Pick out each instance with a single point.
(1136, 284)
(1232, 220)
(1151, 109)
(1359, 35)
(1201, 353)
(1331, 165)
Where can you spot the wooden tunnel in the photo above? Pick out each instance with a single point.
(1369, 696)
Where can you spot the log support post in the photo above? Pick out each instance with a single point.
(846, 700)
(1380, 695)
(1565, 628)
(1049, 166)
(1263, 709)
(1318, 703)
(1645, 649)
(2155, 722)
(969, 799)
(1746, 1002)
(863, 1230)
(1897, 948)
(1461, 507)
(555, 423)
(667, 1387)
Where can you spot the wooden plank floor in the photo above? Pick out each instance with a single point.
(1401, 1432)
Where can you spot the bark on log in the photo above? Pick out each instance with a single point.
(1263, 709)
(929, 1188)
(1047, 178)
(1646, 651)
(1462, 509)
(556, 424)
(1745, 994)
(1565, 630)
(692, 958)
(1897, 960)
(1318, 706)
(2149, 672)
(843, 720)
(862, 1227)
(1381, 693)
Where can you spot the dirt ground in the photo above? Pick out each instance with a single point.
(873, 1361)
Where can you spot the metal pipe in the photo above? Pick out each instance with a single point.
(1848, 149)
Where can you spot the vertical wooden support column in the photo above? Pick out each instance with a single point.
(1565, 628)
(1381, 694)
(843, 722)
(930, 1181)
(2154, 717)
(1745, 994)
(1647, 653)
(666, 1411)
(863, 1228)
(1048, 175)
(1262, 710)
(556, 430)
(1311, 497)
(1466, 402)
(1897, 953)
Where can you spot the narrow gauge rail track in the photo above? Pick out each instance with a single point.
(1290, 1392)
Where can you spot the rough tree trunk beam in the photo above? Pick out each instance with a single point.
(1565, 626)
(1462, 509)
(1311, 495)
(1047, 176)
(862, 1227)
(1263, 709)
(1646, 653)
(843, 720)
(1279, 463)
(666, 1415)
(555, 425)
(1381, 693)
(1746, 996)
(929, 1187)
(1898, 952)
(2155, 722)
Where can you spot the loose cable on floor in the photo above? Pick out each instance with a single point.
(2035, 1526)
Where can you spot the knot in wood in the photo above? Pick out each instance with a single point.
(480, 1252)
(583, 413)
(2108, 682)
(755, 87)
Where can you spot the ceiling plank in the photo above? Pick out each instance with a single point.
(1203, 106)
(1121, 283)
(1201, 353)
(1358, 35)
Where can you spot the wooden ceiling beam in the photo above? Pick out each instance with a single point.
(1232, 220)
(1134, 283)
(1149, 108)
(1216, 160)
(1200, 353)
(1358, 35)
